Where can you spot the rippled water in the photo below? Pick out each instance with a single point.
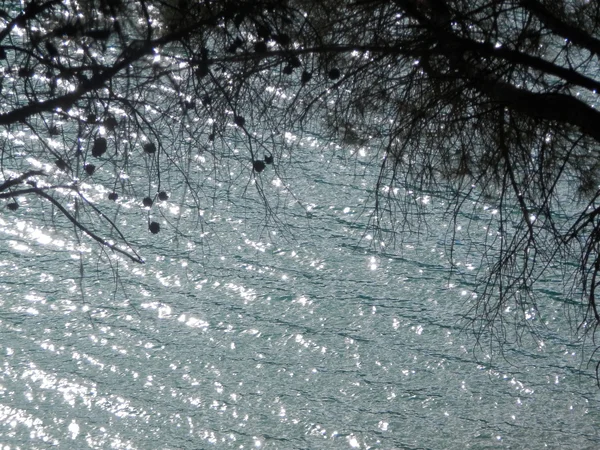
(248, 333)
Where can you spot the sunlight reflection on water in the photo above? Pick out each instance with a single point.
(234, 336)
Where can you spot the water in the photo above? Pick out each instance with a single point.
(249, 332)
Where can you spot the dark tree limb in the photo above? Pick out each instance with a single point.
(14, 181)
(94, 236)
(558, 26)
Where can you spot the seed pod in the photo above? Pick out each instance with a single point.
(154, 227)
(25, 72)
(239, 121)
(148, 202)
(258, 166)
(163, 196)
(111, 123)
(150, 148)
(69, 30)
(263, 32)
(99, 147)
(113, 196)
(334, 74)
(13, 206)
(282, 39)
(51, 49)
(260, 47)
(306, 77)
(61, 164)
(90, 169)
(202, 70)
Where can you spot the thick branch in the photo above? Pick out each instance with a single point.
(136, 50)
(14, 181)
(31, 10)
(515, 57)
(557, 107)
(576, 35)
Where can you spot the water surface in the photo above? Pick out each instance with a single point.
(290, 328)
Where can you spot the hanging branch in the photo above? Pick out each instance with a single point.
(135, 258)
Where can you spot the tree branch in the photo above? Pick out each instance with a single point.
(576, 35)
(557, 107)
(14, 181)
(87, 231)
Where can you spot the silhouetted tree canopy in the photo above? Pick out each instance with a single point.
(489, 98)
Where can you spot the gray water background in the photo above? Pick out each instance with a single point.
(246, 333)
